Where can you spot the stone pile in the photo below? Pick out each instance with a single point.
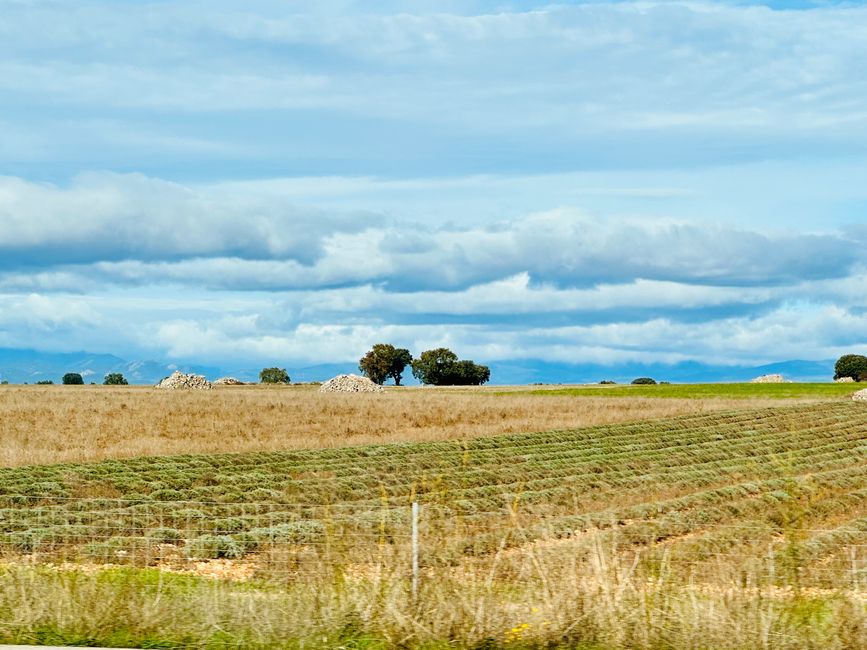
(768, 379)
(844, 380)
(350, 384)
(178, 380)
(228, 381)
(861, 395)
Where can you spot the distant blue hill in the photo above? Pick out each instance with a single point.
(20, 366)
(29, 366)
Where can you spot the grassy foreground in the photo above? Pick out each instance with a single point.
(733, 530)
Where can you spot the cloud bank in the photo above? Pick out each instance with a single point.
(596, 182)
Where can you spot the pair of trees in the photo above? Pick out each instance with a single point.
(438, 367)
(853, 366)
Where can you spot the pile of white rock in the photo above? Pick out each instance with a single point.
(768, 379)
(178, 380)
(228, 381)
(350, 384)
(861, 395)
(844, 380)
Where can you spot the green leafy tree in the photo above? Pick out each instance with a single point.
(274, 376)
(384, 361)
(851, 365)
(44, 382)
(5, 382)
(644, 381)
(73, 379)
(115, 379)
(441, 367)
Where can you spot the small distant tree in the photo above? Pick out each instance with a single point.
(607, 382)
(384, 361)
(115, 379)
(73, 379)
(644, 381)
(5, 382)
(44, 382)
(274, 376)
(441, 367)
(851, 365)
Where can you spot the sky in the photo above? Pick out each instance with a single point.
(585, 182)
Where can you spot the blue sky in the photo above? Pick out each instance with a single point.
(585, 182)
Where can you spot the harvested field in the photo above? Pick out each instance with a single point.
(52, 424)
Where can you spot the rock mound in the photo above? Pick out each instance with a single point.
(860, 396)
(844, 380)
(178, 380)
(350, 384)
(228, 381)
(768, 379)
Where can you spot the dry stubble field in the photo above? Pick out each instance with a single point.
(54, 424)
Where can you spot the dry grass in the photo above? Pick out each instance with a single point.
(53, 424)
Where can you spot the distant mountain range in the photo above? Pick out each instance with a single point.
(29, 366)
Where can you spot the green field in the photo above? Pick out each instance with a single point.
(728, 391)
(709, 529)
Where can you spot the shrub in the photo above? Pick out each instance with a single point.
(73, 379)
(851, 365)
(607, 382)
(165, 535)
(115, 379)
(274, 376)
(44, 382)
(644, 381)
(212, 547)
(5, 382)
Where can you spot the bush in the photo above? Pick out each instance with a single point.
(73, 379)
(212, 547)
(115, 379)
(274, 376)
(607, 382)
(441, 367)
(5, 382)
(44, 382)
(644, 381)
(851, 365)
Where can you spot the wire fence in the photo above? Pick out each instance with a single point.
(285, 541)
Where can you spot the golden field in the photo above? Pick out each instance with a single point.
(54, 424)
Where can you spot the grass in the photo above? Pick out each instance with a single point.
(52, 424)
(739, 391)
(733, 529)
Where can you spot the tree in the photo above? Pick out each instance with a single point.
(384, 361)
(115, 379)
(851, 365)
(432, 366)
(274, 376)
(73, 379)
(441, 367)
(44, 382)
(644, 381)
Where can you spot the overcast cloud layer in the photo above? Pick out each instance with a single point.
(595, 182)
